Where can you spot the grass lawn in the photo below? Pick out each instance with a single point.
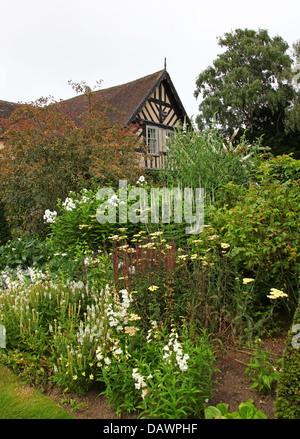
(19, 401)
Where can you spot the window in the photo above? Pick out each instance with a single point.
(152, 140)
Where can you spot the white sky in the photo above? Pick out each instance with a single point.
(45, 43)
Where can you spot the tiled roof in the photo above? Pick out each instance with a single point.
(126, 98)
(6, 108)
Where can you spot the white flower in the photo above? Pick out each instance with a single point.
(131, 270)
(113, 200)
(50, 217)
(99, 355)
(69, 204)
(141, 180)
(118, 351)
(139, 378)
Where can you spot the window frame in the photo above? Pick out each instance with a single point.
(155, 138)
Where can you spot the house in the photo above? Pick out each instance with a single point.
(151, 103)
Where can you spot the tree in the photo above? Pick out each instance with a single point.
(48, 153)
(292, 113)
(246, 87)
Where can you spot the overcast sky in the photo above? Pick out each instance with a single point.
(46, 43)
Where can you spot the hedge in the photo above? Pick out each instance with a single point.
(287, 405)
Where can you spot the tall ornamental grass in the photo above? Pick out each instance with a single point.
(204, 159)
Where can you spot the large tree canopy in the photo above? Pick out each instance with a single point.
(247, 85)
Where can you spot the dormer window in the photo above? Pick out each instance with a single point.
(152, 140)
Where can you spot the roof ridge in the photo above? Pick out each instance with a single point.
(133, 81)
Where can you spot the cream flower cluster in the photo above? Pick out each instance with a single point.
(276, 294)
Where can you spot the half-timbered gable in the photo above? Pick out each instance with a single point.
(158, 115)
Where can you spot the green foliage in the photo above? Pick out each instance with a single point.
(288, 391)
(246, 411)
(231, 300)
(261, 225)
(261, 369)
(238, 89)
(166, 376)
(77, 227)
(24, 252)
(206, 160)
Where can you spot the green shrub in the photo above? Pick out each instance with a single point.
(23, 252)
(288, 390)
(162, 373)
(77, 226)
(261, 224)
